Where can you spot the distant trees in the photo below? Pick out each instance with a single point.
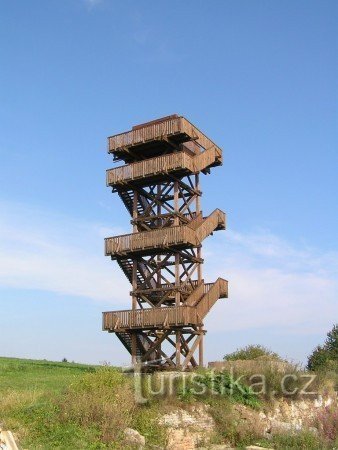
(251, 352)
(325, 356)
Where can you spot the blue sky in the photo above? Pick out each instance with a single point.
(258, 77)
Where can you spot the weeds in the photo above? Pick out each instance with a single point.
(233, 426)
(327, 424)
(104, 400)
(145, 422)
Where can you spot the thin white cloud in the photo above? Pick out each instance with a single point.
(272, 283)
(92, 3)
(51, 252)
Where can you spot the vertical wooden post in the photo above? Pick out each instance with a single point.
(177, 256)
(198, 197)
(134, 284)
(177, 280)
(198, 211)
(199, 266)
(133, 348)
(134, 274)
(176, 203)
(178, 349)
(201, 349)
(158, 221)
(135, 210)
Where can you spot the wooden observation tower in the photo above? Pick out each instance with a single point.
(160, 188)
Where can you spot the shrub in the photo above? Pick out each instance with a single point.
(103, 399)
(251, 352)
(269, 383)
(318, 359)
(210, 384)
(235, 424)
(331, 343)
(145, 422)
(325, 356)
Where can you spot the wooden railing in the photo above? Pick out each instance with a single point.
(152, 317)
(216, 290)
(206, 158)
(196, 295)
(158, 131)
(184, 288)
(206, 294)
(169, 236)
(209, 224)
(149, 239)
(198, 305)
(196, 221)
(163, 164)
(147, 133)
(151, 166)
(189, 215)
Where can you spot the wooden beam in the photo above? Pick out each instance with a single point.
(154, 345)
(191, 352)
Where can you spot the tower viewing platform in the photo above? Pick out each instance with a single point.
(159, 184)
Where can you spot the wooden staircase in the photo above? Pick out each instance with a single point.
(142, 344)
(126, 264)
(126, 340)
(127, 197)
(213, 292)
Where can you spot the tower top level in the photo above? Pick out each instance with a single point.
(163, 135)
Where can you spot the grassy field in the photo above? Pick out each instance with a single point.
(55, 405)
(28, 389)
(26, 375)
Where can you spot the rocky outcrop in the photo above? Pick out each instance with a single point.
(193, 428)
(187, 430)
(295, 415)
(134, 438)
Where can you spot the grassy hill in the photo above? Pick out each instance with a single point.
(27, 375)
(27, 390)
(68, 406)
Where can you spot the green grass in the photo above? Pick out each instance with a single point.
(55, 405)
(34, 375)
(30, 391)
